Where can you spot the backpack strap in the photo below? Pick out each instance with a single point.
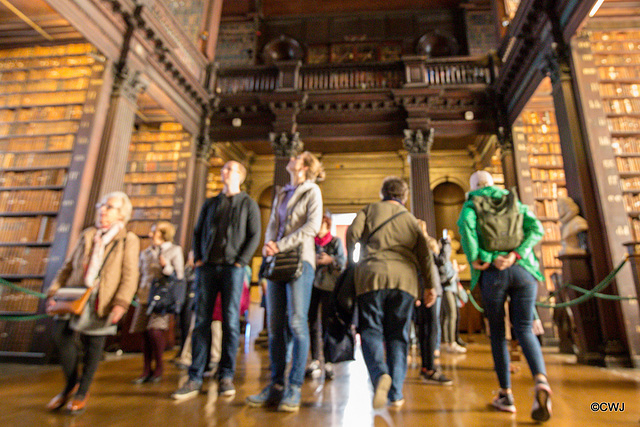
(385, 222)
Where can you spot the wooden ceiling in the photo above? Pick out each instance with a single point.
(42, 23)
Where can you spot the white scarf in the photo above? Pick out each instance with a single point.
(101, 239)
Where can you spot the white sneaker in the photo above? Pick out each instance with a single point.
(313, 370)
(454, 348)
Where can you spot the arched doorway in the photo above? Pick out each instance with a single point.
(448, 198)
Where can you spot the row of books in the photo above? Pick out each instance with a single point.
(54, 61)
(616, 46)
(626, 145)
(622, 106)
(38, 229)
(550, 256)
(159, 136)
(544, 148)
(152, 202)
(610, 35)
(628, 164)
(545, 189)
(30, 201)
(546, 208)
(531, 117)
(141, 228)
(65, 112)
(35, 51)
(19, 302)
(29, 160)
(45, 85)
(43, 98)
(546, 160)
(618, 73)
(38, 143)
(150, 189)
(540, 129)
(153, 213)
(543, 138)
(163, 156)
(43, 128)
(35, 178)
(57, 73)
(551, 231)
(630, 184)
(157, 146)
(23, 260)
(619, 90)
(605, 60)
(631, 202)
(16, 336)
(624, 124)
(152, 166)
(150, 177)
(556, 175)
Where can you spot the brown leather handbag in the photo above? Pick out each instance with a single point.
(70, 301)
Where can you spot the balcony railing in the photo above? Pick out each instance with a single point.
(412, 71)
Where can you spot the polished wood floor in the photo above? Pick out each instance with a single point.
(345, 401)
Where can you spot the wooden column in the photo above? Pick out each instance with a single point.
(505, 142)
(285, 145)
(211, 28)
(581, 187)
(418, 144)
(118, 130)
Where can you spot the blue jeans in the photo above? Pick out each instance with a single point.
(521, 287)
(384, 318)
(287, 311)
(211, 279)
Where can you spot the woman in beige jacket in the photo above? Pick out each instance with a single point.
(105, 258)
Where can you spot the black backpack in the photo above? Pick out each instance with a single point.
(499, 223)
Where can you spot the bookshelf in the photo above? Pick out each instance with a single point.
(538, 144)
(44, 107)
(156, 175)
(617, 63)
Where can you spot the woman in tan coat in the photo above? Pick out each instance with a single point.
(105, 258)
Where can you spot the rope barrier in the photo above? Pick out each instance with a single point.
(586, 294)
(28, 317)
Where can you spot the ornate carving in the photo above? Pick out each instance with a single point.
(286, 144)
(128, 84)
(505, 141)
(417, 142)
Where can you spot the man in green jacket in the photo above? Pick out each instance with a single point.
(510, 274)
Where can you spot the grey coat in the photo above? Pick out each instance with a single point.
(304, 217)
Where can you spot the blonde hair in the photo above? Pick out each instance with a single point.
(167, 230)
(315, 171)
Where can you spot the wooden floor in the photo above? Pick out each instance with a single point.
(346, 400)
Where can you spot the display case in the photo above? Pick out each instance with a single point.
(47, 99)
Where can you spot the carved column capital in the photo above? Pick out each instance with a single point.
(286, 144)
(128, 84)
(417, 141)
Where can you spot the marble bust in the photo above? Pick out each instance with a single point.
(573, 228)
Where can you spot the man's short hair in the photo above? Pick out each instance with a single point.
(394, 187)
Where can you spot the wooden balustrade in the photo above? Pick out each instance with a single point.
(332, 77)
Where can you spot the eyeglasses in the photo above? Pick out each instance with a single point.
(107, 206)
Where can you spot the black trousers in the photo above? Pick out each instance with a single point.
(70, 349)
(427, 320)
(320, 309)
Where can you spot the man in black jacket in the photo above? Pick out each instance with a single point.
(225, 238)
